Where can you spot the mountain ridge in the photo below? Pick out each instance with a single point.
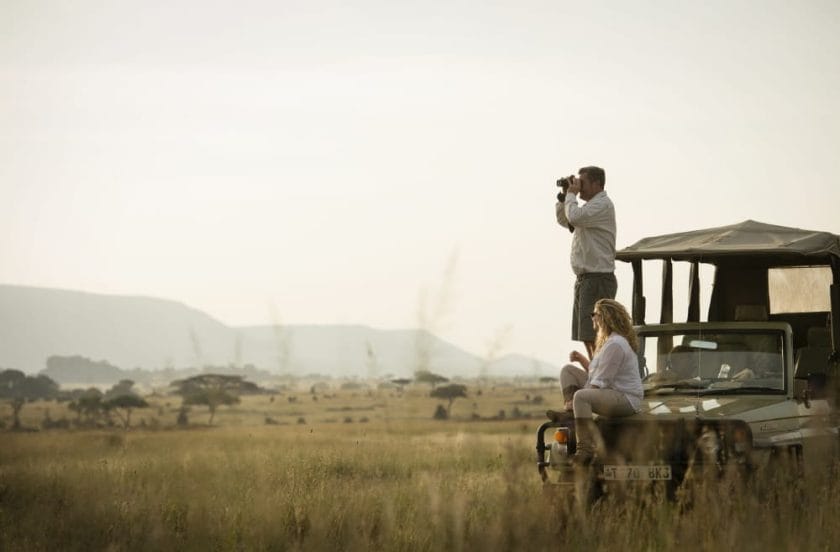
(133, 331)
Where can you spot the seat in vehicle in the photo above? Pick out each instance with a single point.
(811, 363)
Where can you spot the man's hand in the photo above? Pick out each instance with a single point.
(574, 187)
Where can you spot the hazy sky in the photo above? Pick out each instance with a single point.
(336, 162)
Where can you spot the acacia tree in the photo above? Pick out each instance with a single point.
(449, 392)
(211, 390)
(121, 397)
(400, 383)
(88, 405)
(425, 376)
(20, 388)
(125, 403)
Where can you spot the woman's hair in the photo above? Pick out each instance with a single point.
(614, 319)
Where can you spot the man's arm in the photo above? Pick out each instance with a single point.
(561, 215)
(586, 215)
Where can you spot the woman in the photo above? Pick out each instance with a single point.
(609, 385)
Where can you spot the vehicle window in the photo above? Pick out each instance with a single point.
(729, 360)
(799, 289)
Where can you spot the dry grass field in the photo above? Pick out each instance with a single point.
(359, 470)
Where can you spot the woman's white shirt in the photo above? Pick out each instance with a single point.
(616, 367)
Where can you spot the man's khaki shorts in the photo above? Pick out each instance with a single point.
(588, 289)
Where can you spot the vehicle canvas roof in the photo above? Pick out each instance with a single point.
(779, 245)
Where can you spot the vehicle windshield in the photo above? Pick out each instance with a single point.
(723, 361)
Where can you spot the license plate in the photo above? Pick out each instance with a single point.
(637, 473)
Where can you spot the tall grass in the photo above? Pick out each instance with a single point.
(412, 485)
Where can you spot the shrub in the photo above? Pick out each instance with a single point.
(182, 420)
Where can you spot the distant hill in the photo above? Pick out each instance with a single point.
(150, 333)
(128, 332)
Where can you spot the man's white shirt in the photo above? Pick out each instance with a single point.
(593, 241)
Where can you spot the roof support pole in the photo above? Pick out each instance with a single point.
(834, 358)
(835, 305)
(666, 315)
(638, 294)
(694, 293)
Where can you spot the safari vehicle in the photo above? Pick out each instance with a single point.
(752, 383)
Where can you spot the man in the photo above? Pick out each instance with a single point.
(593, 247)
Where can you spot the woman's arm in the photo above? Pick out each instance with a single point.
(576, 356)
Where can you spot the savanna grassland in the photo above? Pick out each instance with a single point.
(360, 470)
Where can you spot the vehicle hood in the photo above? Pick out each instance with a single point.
(708, 406)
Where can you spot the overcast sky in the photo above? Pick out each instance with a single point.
(362, 162)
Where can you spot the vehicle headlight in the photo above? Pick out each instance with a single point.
(558, 452)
